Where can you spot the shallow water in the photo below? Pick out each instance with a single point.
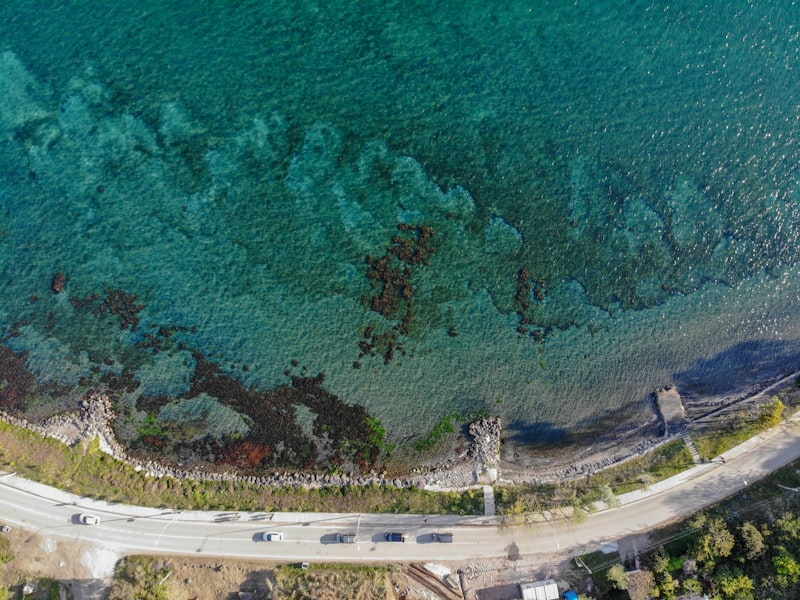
(234, 166)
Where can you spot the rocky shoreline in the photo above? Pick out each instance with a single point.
(484, 462)
(481, 464)
(94, 416)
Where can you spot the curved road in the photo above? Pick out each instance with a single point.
(311, 536)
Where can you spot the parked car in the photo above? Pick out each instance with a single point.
(346, 538)
(88, 519)
(5, 528)
(271, 536)
(395, 537)
(444, 538)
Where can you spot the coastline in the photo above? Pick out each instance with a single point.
(486, 461)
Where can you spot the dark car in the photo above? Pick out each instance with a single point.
(395, 537)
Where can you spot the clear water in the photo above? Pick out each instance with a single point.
(233, 165)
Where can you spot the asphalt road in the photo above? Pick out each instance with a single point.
(311, 536)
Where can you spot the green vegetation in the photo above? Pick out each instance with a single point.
(319, 580)
(150, 427)
(6, 554)
(443, 427)
(664, 462)
(140, 578)
(377, 437)
(739, 428)
(43, 588)
(86, 470)
(746, 547)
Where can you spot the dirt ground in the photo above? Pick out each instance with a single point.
(76, 566)
(72, 563)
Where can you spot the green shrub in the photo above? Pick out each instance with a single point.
(6, 555)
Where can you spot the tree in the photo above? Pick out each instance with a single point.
(786, 567)
(788, 528)
(691, 586)
(618, 577)
(734, 585)
(659, 561)
(752, 540)
(667, 587)
(689, 567)
(716, 542)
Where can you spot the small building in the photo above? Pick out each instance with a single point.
(546, 589)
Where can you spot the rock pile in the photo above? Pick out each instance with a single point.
(486, 441)
(485, 449)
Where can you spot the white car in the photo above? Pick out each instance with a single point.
(88, 519)
(271, 536)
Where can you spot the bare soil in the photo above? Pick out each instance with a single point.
(75, 564)
(72, 563)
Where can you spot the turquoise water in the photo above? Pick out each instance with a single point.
(613, 191)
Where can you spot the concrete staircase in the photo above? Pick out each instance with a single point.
(687, 438)
(488, 501)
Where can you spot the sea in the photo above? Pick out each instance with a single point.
(537, 210)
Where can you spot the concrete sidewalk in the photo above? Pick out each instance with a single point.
(754, 442)
(88, 504)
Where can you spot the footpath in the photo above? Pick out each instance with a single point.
(785, 428)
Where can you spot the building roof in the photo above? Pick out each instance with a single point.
(539, 590)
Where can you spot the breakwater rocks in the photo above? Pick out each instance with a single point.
(485, 447)
(592, 465)
(95, 414)
(479, 465)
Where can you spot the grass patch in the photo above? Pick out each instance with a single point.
(664, 462)
(598, 561)
(319, 580)
(6, 554)
(638, 473)
(141, 577)
(87, 471)
(738, 428)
